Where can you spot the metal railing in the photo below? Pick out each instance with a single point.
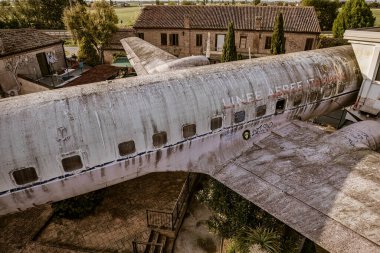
(169, 220)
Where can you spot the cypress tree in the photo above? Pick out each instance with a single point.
(278, 36)
(229, 48)
(354, 14)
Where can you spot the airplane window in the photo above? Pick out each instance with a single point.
(216, 123)
(327, 91)
(280, 106)
(340, 87)
(159, 139)
(189, 130)
(24, 176)
(72, 163)
(239, 116)
(313, 96)
(127, 148)
(261, 110)
(297, 99)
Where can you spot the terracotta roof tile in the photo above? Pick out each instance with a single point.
(21, 40)
(96, 74)
(296, 19)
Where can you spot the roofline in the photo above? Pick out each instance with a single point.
(203, 28)
(32, 49)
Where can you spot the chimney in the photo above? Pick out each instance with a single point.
(186, 21)
(258, 23)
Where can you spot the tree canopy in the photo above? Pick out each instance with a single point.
(96, 24)
(42, 14)
(354, 14)
(327, 11)
(278, 36)
(229, 48)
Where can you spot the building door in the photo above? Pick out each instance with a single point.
(220, 42)
(42, 62)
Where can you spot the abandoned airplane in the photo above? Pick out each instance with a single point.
(239, 122)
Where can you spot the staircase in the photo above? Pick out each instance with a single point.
(157, 243)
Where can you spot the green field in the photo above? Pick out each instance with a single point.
(127, 16)
(376, 13)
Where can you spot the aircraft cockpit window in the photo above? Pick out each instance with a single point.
(127, 148)
(261, 110)
(159, 139)
(216, 123)
(280, 106)
(189, 130)
(25, 176)
(297, 99)
(72, 163)
(239, 116)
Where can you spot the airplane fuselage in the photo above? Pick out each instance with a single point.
(62, 143)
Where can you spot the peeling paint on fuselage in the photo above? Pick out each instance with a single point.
(92, 120)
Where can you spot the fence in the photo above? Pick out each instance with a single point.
(166, 220)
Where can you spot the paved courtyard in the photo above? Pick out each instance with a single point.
(117, 220)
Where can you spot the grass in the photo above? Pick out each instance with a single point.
(376, 13)
(127, 15)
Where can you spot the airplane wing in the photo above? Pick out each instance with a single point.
(326, 186)
(143, 56)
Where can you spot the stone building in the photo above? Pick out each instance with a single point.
(183, 30)
(114, 47)
(29, 53)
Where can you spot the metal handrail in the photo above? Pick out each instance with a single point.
(168, 220)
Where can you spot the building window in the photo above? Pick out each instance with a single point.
(239, 116)
(261, 110)
(309, 44)
(141, 35)
(173, 39)
(216, 123)
(268, 42)
(198, 40)
(159, 139)
(72, 163)
(243, 42)
(25, 176)
(189, 130)
(219, 42)
(127, 148)
(164, 39)
(280, 106)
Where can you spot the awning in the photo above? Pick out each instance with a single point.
(121, 62)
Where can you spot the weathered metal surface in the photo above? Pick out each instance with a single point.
(148, 59)
(366, 45)
(39, 130)
(326, 186)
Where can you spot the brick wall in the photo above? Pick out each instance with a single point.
(255, 40)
